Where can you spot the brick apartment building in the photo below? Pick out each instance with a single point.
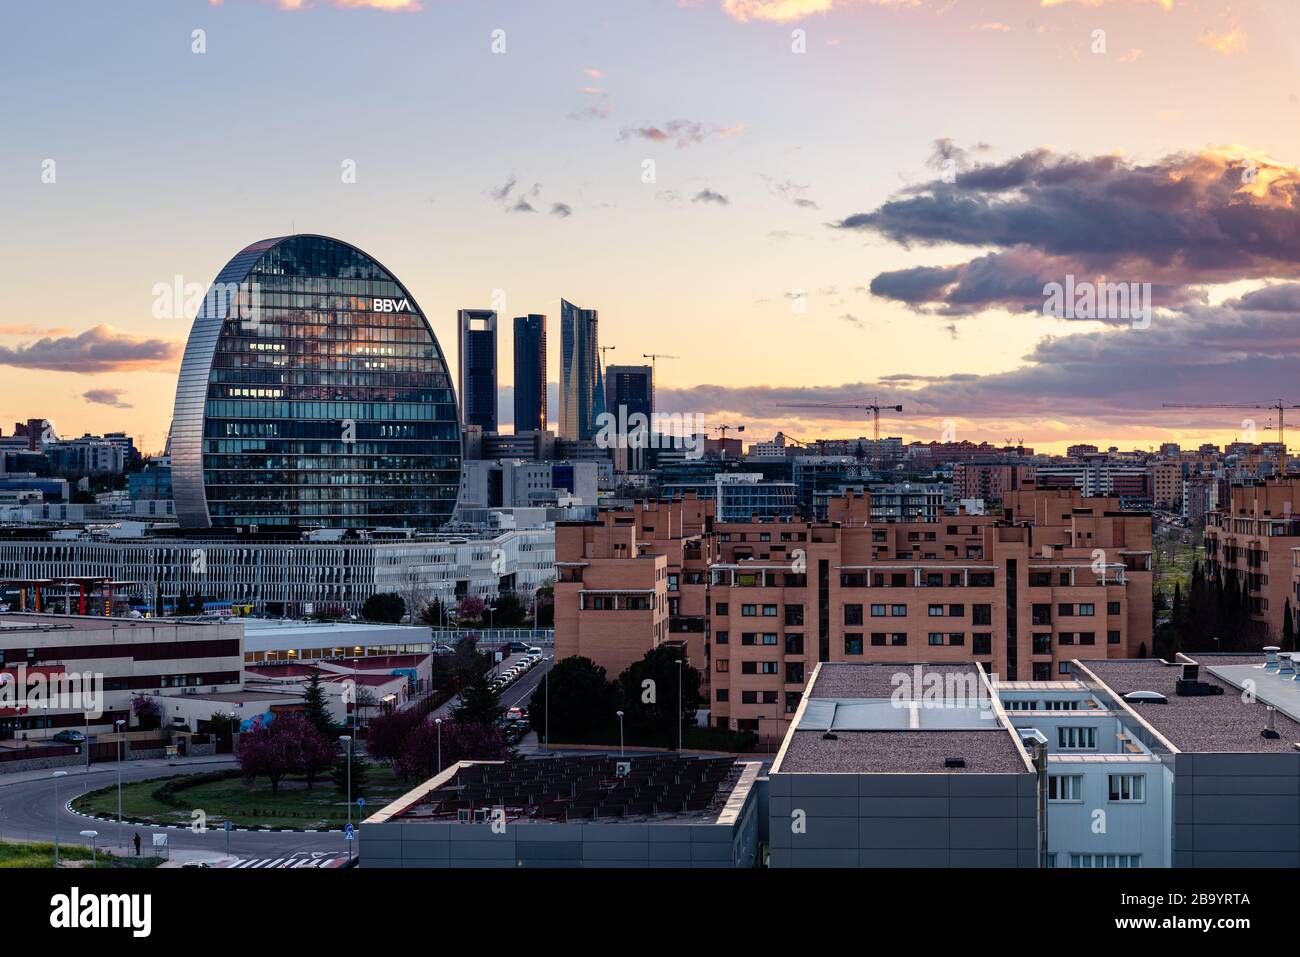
(757, 605)
(1255, 537)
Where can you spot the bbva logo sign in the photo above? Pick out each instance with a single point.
(391, 305)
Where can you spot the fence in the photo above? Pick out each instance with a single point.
(495, 636)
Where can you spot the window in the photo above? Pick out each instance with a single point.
(1076, 739)
(1112, 608)
(936, 637)
(791, 702)
(1112, 637)
(749, 637)
(853, 643)
(749, 667)
(1087, 610)
(1087, 637)
(749, 611)
(981, 614)
(877, 611)
(982, 643)
(1066, 638)
(1064, 667)
(720, 608)
(936, 611)
(794, 672)
(898, 611)
(794, 614)
(723, 694)
(1040, 579)
(877, 639)
(767, 668)
(1127, 787)
(720, 637)
(794, 644)
(853, 614)
(956, 611)
(1065, 787)
(769, 697)
(721, 665)
(1105, 860)
(1064, 609)
(898, 638)
(770, 638)
(770, 611)
(1041, 615)
(749, 697)
(956, 638)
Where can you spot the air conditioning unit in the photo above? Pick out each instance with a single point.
(462, 815)
(481, 815)
(622, 769)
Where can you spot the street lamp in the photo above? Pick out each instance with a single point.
(347, 743)
(94, 856)
(620, 733)
(118, 724)
(57, 806)
(438, 722)
(679, 705)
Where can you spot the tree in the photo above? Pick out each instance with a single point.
(315, 705)
(650, 693)
(1288, 627)
(434, 614)
(470, 609)
(511, 610)
(223, 725)
(582, 701)
(461, 741)
(148, 716)
(386, 735)
(479, 703)
(360, 771)
(264, 752)
(316, 752)
(387, 607)
(466, 662)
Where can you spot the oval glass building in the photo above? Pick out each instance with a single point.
(313, 392)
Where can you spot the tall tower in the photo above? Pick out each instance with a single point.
(530, 373)
(582, 387)
(477, 341)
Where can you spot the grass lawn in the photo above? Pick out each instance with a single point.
(26, 854)
(247, 804)
(1173, 563)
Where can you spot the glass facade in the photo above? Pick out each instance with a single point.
(530, 373)
(477, 331)
(316, 396)
(582, 388)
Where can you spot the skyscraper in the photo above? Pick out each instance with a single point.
(582, 389)
(476, 331)
(313, 392)
(530, 373)
(631, 388)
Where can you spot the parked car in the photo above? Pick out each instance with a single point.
(70, 737)
(517, 714)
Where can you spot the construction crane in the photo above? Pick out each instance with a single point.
(874, 407)
(653, 356)
(1279, 407)
(723, 429)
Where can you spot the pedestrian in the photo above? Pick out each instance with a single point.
(137, 843)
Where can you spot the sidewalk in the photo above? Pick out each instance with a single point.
(110, 767)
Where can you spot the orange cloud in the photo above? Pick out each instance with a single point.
(1165, 5)
(1228, 44)
(777, 11)
(101, 349)
(390, 5)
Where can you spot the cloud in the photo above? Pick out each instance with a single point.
(792, 192)
(1184, 222)
(1165, 5)
(1109, 379)
(681, 132)
(101, 349)
(521, 201)
(709, 196)
(593, 72)
(563, 210)
(391, 6)
(1228, 44)
(111, 397)
(777, 11)
(32, 331)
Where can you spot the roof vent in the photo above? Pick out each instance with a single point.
(1270, 657)
(1146, 697)
(954, 762)
(1191, 672)
(830, 736)
(1270, 731)
(1285, 666)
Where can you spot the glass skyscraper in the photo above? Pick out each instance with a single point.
(313, 392)
(530, 373)
(477, 344)
(582, 389)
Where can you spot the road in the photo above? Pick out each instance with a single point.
(518, 693)
(27, 812)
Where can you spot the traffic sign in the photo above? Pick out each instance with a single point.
(348, 833)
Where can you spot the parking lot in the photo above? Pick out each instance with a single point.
(515, 679)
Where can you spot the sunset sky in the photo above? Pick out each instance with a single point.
(875, 215)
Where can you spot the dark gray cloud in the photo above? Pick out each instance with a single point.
(111, 397)
(101, 349)
(563, 210)
(710, 196)
(1186, 221)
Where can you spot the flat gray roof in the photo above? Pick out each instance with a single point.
(900, 718)
(1211, 723)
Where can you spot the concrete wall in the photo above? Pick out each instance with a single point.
(587, 844)
(904, 820)
(1137, 827)
(1236, 810)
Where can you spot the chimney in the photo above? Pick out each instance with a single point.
(1270, 731)
(1270, 657)
(1191, 672)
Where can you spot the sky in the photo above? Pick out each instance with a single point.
(803, 201)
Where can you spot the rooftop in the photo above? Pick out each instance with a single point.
(900, 719)
(28, 621)
(1221, 723)
(642, 789)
